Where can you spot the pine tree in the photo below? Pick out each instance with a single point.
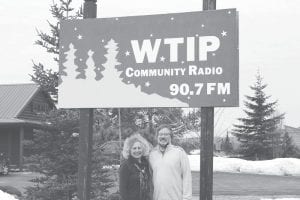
(193, 120)
(255, 130)
(54, 154)
(226, 145)
(43, 75)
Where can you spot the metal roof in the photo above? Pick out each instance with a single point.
(14, 97)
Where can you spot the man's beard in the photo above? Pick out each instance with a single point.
(164, 145)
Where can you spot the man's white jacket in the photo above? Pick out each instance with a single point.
(172, 178)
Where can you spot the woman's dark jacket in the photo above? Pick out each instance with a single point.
(135, 180)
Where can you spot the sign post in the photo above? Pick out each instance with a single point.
(207, 139)
(86, 129)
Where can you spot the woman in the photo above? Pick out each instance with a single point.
(135, 172)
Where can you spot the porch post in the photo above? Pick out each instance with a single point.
(21, 150)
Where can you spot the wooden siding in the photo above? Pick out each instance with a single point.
(38, 104)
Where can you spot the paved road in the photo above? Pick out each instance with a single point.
(19, 180)
(228, 197)
(250, 185)
(227, 186)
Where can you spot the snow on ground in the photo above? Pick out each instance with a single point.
(5, 196)
(279, 166)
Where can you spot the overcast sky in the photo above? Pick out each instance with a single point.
(269, 41)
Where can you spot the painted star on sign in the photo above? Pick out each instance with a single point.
(79, 37)
(127, 53)
(162, 59)
(147, 84)
(224, 33)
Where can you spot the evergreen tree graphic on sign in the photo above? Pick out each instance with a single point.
(113, 88)
(70, 66)
(90, 72)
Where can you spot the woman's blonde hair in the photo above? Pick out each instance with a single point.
(129, 142)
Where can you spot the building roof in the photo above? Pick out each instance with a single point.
(292, 129)
(14, 98)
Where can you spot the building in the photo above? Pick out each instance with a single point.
(294, 133)
(20, 105)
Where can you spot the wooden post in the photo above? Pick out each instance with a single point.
(85, 153)
(90, 9)
(207, 138)
(209, 4)
(86, 129)
(21, 150)
(10, 141)
(120, 134)
(207, 148)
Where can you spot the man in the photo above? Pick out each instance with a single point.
(171, 170)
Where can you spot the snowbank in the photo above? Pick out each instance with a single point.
(6, 196)
(279, 166)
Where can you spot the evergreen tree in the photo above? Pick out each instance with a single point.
(226, 145)
(54, 154)
(193, 120)
(44, 76)
(255, 130)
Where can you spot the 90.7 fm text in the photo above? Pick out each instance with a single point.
(185, 89)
